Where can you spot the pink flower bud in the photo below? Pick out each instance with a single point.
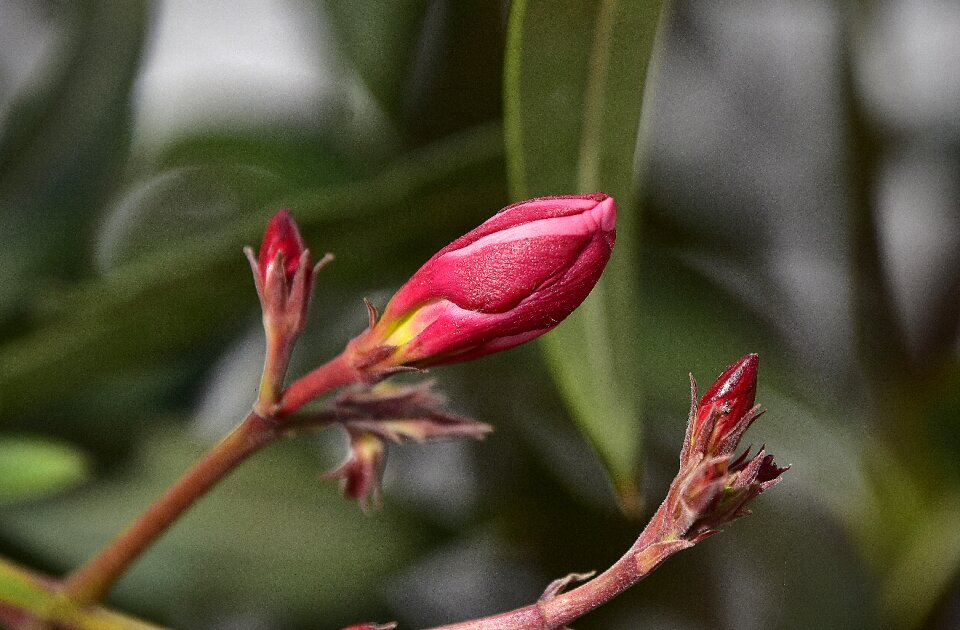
(281, 237)
(735, 390)
(712, 487)
(283, 272)
(725, 412)
(508, 281)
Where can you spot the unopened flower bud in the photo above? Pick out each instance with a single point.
(725, 412)
(712, 487)
(510, 280)
(281, 238)
(734, 391)
(283, 272)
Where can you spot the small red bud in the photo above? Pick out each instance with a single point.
(283, 273)
(736, 389)
(284, 291)
(281, 237)
(728, 405)
(720, 418)
(713, 488)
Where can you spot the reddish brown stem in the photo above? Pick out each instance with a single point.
(91, 582)
(329, 376)
(653, 547)
(274, 369)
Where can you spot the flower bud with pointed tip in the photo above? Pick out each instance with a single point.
(734, 391)
(281, 237)
(283, 272)
(720, 418)
(510, 280)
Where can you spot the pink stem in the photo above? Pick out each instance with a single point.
(329, 376)
(653, 546)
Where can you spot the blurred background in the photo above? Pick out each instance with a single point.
(788, 175)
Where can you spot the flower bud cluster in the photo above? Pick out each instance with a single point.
(511, 279)
(714, 488)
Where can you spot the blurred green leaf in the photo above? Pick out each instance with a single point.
(31, 467)
(926, 566)
(434, 67)
(24, 591)
(381, 40)
(64, 143)
(305, 159)
(180, 204)
(904, 524)
(574, 82)
(170, 298)
(273, 538)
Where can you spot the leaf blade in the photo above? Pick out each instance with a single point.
(565, 115)
(32, 467)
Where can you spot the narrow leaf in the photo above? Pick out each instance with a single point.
(31, 467)
(176, 295)
(22, 591)
(574, 86)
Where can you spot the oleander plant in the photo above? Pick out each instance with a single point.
(425, 413)
(508, 281)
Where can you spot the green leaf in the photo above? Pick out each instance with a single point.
(273, 538)
(432, 67)
(173, 297)
(31, 467)
(574, 81)
(22, 591)
(179, 204)
(64, 142)
(380, 39)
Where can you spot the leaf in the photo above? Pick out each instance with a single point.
(22, 591)
(31, 467)
(432, 67)
(574, 81)
(173, 297)
(273, 538)
(64, 141)
(395, 28)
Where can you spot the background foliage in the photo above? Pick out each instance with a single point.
(787, 178)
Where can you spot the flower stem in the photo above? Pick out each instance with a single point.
(335, 373)
(654, 545)
(275, 364)
(91, 582)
